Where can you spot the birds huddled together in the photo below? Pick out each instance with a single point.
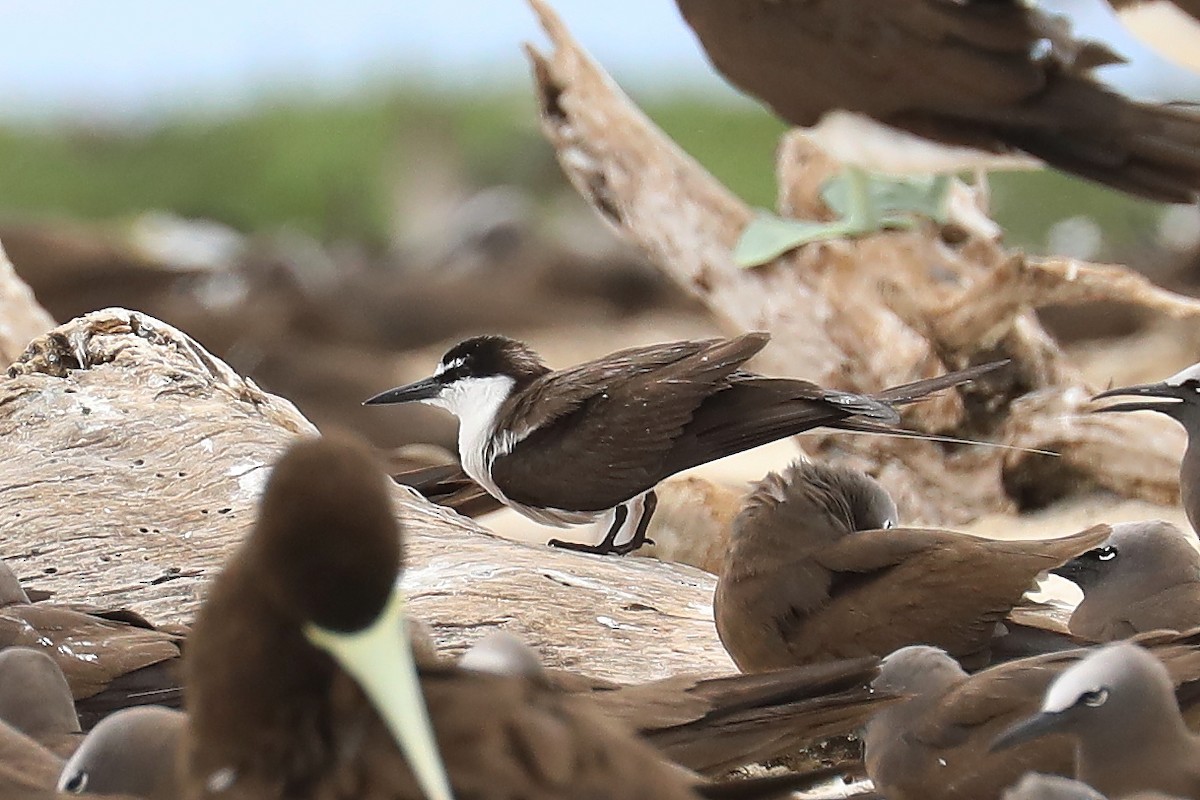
(303, 677)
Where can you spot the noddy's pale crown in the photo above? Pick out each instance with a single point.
(1119, 707)
(1144, 577)
(34, 696)
(934, 746)
(134, 751)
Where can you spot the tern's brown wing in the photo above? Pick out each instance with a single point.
(994, 75)
(611, 425)
(560, 393)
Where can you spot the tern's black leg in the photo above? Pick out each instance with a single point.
(649, 503)
(606, 545)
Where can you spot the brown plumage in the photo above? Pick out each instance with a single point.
(999, 76)
(27, 769)
(272, 715)
(36, 700)
(132, 751)
(713, 725)
(1144, 577)
(1117, 707)
(111, 659)
(568, 446)
(938, 745)
(935, 745)
(713, 409)
(815, 571)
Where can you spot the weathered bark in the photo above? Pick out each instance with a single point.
(131, 460)
(862, 314)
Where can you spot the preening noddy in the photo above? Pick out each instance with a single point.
(1144, 577)
(934, 746)
(134, 751)
(1118, 706)
(816, 570)
(296, 671)
(713, 725)
(591, 442)
(937, 87)
(1179, 398)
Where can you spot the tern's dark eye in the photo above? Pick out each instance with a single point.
(1106, 553)
(1093, 699)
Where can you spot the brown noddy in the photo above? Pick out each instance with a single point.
(110, 658)
(1118, 706)
(1144, 577)
(815, 570)
(934, 746)
(133, 751)
(1178, 397)
(713, 725)
(297, 665)
(938, 87)
(36, 700)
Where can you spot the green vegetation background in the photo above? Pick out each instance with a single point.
(329, 167)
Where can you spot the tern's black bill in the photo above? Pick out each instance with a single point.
(1158, 397)
(413, 392)
(1078, 569)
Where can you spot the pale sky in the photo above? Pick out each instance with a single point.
(126, 59)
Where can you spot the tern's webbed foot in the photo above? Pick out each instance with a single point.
(605, 548)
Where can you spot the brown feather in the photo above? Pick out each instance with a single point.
(803, 582)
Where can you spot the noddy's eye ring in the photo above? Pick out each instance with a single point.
(1106, 553)
(77, 783)
(1095, 698)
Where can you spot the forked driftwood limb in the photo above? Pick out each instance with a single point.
(863, 314)
(21, 316)
(131, 460)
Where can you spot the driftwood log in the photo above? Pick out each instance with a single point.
(21, 316)
(880, 310)
(130, 464)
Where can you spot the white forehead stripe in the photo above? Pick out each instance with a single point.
(1192, 373)
(458, 362)
(1097, 671)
